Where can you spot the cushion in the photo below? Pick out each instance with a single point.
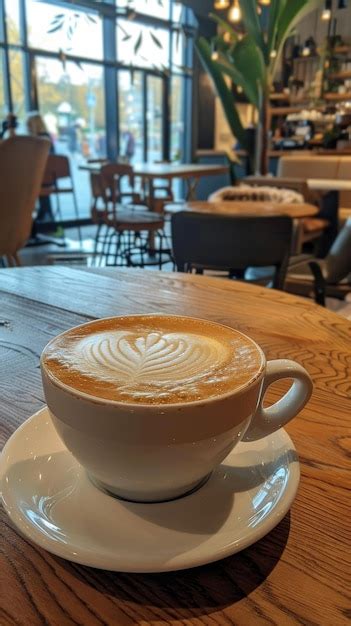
(257, 193)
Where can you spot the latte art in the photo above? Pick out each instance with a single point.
(154, 358)
(140, 359)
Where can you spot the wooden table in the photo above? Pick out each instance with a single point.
(295, 211)
(189, 172)
(297, 574)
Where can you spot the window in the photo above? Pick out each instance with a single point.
(55, 61)
(17, 83)
(55, 28)
(131, 115)
(12, 21)
(72, 102)
(177, 123)
(154, 8)
(141, 45)
(3, 108)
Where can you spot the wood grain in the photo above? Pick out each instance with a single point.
(298, 573)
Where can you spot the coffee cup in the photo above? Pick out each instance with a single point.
(150, 404)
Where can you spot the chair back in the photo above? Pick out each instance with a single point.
(57, 167)
(338, 261)
(112, 174)
(22, 166)
(231, 243)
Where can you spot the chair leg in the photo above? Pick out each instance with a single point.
(76, 211)
(13, 260)
(319, 283)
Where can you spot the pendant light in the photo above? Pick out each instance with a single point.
(326, 13)
(222, 5)
(234, 14)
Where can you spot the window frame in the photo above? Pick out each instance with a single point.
(110, 64)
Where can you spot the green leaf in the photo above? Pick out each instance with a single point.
(225, 26)
(225, 94)
(275, 10)
(246, 68)
(253, 25)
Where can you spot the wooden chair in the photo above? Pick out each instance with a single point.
(120, 226)
(22, 166)
(57, 169)
(233, 244)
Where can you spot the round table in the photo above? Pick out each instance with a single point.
(243, 208)
(295, 575)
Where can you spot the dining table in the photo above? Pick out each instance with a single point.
(298, 573)
(190, 173)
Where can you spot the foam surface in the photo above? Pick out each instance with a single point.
(153, 359)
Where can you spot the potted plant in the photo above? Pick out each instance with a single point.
(250, 60)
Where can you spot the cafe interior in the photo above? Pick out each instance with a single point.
(187, 157)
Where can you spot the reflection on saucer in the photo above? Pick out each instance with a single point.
(54, 504)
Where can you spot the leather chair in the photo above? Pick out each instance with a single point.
(22, 166)
(232, 244)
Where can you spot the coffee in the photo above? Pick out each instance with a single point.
(153, 359)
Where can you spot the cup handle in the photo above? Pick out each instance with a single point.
(267, 421)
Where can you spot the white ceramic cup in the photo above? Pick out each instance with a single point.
(152, 453)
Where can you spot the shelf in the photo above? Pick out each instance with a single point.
(294, 109)
(341, 49)
(345, 75)
(279, 97)
(337, 97)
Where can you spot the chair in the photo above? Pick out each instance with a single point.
(233, 244)
(106, 185)
(58, 168)
(22, 166)
(121, 221)
(332, 275)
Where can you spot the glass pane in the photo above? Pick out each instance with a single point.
(177, 11)
(12, 21)
(141, 45)
(71, 101)
(177, 123)
(178, 47)
(154, 119)
(3, 108)
(17, 85)
(155, 8)
(131, 124)
(55, 28)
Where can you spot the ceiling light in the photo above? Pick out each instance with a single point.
(326, 15)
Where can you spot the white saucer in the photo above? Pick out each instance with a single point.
(49, 498)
